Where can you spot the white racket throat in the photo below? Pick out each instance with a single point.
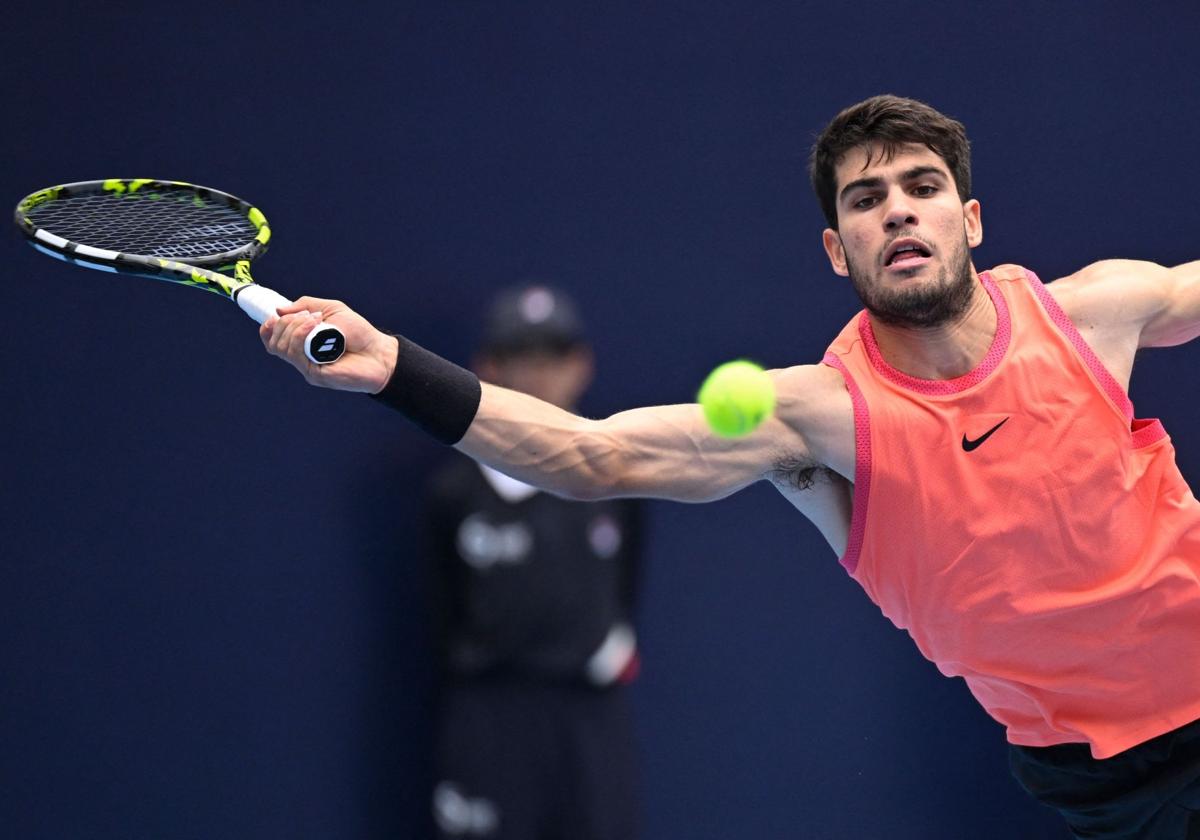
(259, 302)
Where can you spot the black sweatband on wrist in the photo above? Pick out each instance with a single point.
(436, 394)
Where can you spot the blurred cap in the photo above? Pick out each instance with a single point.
(530, 319)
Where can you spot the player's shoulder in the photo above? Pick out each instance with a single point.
(1104, 284)
(815, 416)
(1007, 273)
(809, 380)
(1104, 274)
(812, 398)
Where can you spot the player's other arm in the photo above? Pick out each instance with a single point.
(1140, 303)
(1174, 316)
(661, 452)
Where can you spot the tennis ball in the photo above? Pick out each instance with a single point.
(736, 398)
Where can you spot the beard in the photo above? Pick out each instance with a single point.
(929, 305)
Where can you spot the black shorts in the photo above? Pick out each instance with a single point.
(1148, 792)
(521, 761)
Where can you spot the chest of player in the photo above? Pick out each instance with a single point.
(1030, 480)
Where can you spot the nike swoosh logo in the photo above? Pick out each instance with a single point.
(972, 445)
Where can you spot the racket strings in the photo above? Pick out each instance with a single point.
(179, 226)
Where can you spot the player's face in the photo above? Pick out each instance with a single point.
(904, 237)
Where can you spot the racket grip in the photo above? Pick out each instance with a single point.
(323, 345)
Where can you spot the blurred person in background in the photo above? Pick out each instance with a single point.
(533, 602)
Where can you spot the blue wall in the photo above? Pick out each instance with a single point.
(210, 605)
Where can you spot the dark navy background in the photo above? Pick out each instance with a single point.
(211, 610)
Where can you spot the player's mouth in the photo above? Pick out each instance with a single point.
(905, 254)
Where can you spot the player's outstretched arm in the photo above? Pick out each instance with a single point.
(663, 451)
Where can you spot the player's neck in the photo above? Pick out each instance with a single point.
(944, 352)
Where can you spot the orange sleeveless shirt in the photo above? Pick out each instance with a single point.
(1031, 536)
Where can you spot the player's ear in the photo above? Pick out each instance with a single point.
(832, 241)
(973, 222)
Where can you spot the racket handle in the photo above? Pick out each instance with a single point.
(323, 345)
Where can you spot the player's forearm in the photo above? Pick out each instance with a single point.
(542, 445)
(663, 452)
(518, 434)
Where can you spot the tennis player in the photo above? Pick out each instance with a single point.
(1050, 548)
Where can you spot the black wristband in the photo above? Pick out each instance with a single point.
(436, 394)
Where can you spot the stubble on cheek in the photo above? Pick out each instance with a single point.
(860, 266)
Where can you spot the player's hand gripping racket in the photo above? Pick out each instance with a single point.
(167, 230)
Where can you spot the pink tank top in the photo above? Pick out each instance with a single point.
(1030, 535)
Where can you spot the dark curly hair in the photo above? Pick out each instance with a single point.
(878, 126)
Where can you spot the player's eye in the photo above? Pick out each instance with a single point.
(925, 190)
(865, 203)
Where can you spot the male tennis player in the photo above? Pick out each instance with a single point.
(1050, 553)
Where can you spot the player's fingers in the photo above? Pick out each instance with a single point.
(293, 307)
(271, 332)
(321, 305)
(282, 338)
(280, 333)
(265, 331)
(301, 325)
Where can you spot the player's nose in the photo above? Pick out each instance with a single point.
(899, 211)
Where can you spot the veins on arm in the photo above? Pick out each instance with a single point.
(665, 452)
(658, 452)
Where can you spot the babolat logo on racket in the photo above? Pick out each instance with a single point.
(325, 344)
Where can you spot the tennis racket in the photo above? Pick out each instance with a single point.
(166, 230)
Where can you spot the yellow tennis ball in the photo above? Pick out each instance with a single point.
(736, 398)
